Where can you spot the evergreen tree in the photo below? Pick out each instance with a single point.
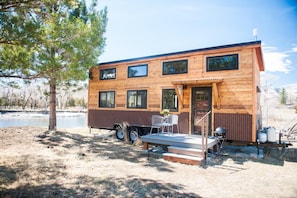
(283, 96)
(57, 41)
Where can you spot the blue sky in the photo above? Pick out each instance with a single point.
(139, 28)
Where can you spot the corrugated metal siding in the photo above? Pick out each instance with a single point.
(239, 126)
(106, 118)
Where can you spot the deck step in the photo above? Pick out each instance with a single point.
(184, 159)
(185, 151)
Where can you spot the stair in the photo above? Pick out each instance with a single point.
(184, 159)
(185, 151)
(184, 155)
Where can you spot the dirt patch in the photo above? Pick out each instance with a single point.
(76, 163)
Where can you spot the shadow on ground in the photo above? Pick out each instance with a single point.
(105, 146)
(44, 191)
(109, 187)
(7, 175)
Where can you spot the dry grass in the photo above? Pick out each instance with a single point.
(75, 163)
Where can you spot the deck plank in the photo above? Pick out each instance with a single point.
(181, 140)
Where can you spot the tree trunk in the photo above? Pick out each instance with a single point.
(125, 131)
(52, 114)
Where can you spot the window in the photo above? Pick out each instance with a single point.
(107, 99)
(175, 67)
(136, 99)
(137, 71)
(227, 62)
(169, 100)
(202, 95)
(106, 74)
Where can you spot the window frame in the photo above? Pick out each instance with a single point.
(113, 71)
(106, 106)
(137, 99)
(236, 67)
(135, 66)
(175, 102)
(174, 62)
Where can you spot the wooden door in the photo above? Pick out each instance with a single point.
(201, 104)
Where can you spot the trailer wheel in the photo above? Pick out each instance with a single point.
(133, 134)
(119, 133)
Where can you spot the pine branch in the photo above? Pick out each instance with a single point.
(8, 5)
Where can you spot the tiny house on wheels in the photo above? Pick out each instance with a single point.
(223, 80)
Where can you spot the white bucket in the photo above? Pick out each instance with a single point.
(271, 135)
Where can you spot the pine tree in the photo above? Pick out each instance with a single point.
(57, 41)
(283, 96)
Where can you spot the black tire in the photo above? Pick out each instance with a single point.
(133, 135)
(120, 133)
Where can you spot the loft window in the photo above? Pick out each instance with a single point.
(137, 71)
(169, 99)
(227, 62)
(106, 74)
(175, 67)
(137, 99)
(107, 99)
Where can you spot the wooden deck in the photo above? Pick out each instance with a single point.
(180, 140)
(182, 148)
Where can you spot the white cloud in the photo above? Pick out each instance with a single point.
(294, 49)
(276, 61)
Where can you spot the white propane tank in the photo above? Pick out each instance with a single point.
(271, 134)
(262, 136)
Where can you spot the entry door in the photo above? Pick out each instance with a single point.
(201, 104)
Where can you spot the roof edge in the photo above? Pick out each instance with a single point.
(183, 52)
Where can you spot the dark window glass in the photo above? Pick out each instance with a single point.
(175, 67)
(137, 71)
(106, 74)
(136, 99)
(227, 62)
(169, 100)
(201, 95)
(107, 99)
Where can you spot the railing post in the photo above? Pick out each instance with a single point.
(206, 138)
(202, 136)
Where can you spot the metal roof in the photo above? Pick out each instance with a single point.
(183, 52)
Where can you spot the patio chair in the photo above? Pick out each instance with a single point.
(157, 122)
(174, 121)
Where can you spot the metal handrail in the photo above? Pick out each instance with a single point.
(204, 135)
(204, 117)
